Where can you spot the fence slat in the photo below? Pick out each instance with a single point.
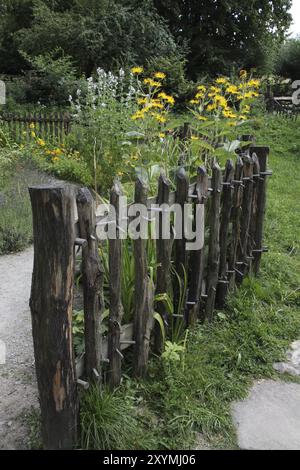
(223, 282)
(196, 261)
(51, 305)
(92, 279)
(181, 258)
(253, 221)
(262, 154)
(163, 257)
(243, 255)
(214, 237)
(236, 221)
(144, 290)
(115, 295)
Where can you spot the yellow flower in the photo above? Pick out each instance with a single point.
(199, 95)
(232, 123)
(142, 101)
(160, 75)
(243, 74)
(41, 142)
(246, 109)
(194, 102)
(152, 83)
(243, 118)
(229, 114)
(201, 88)
(120, 173)
(215, 89)
(155, 104)
(211, 107)
(194, 137)
(33, 134)
(55, 159)
(159, 118)
(137, 70)
(233, 89)
(32, 126)
(162, 135)
(138, 115)
(254, 83)
(169, 99)
(221, 101)
(221, 80)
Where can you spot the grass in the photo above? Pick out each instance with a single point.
(179, 400)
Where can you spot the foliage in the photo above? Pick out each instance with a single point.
(288, 59)
(238, 34)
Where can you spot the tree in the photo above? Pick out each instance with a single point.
(226, 33)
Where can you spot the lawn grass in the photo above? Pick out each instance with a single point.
(177, 401)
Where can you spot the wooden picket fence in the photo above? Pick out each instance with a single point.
(234, 200)
(51, 127)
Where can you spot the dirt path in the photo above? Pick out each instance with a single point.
(18, 391)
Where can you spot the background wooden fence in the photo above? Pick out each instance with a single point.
(234, 201)
(51, 127)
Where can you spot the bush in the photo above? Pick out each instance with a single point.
(288, 60)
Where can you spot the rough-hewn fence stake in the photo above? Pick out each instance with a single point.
(223, 282)
(163, 256)
(214, 237)
(92, 280)
(262, 154)
(51, 305)
(144, 290)
(115, 291)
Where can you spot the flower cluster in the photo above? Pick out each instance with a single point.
(226, 100)
(153, 102)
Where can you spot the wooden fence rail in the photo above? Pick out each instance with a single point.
(234, 201)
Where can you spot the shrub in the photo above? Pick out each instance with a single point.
(288, 60)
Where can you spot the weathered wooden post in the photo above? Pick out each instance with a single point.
(242, 263)
(144, 290)
(181, 255)
(196, 261)
(51, 305)
(115, 290)
(223, 282)
(236, 213)
(262, 154)
(163, 256)
(92, 279)
(214, 241)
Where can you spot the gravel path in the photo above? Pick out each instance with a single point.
(18, 391)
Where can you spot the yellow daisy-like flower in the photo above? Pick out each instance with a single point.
(155, 104)
(162, 135)
(255, 83)
(232, 89)
(160, 75)
(169, 99)
(199, 95)
(221, 80)
(138, 115)
(33, 134)
(194, 102)
(221, 101)
(142, 101)
(215, 89)
(243, 118)
(211, 107)
(194, 137)
(201, 88)
(55, 159)
(120, 173)
(152, 83)
(41, 142)
(243, 73)
(232, 123)
(32, 126)
(137, 70)
(159, 118)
